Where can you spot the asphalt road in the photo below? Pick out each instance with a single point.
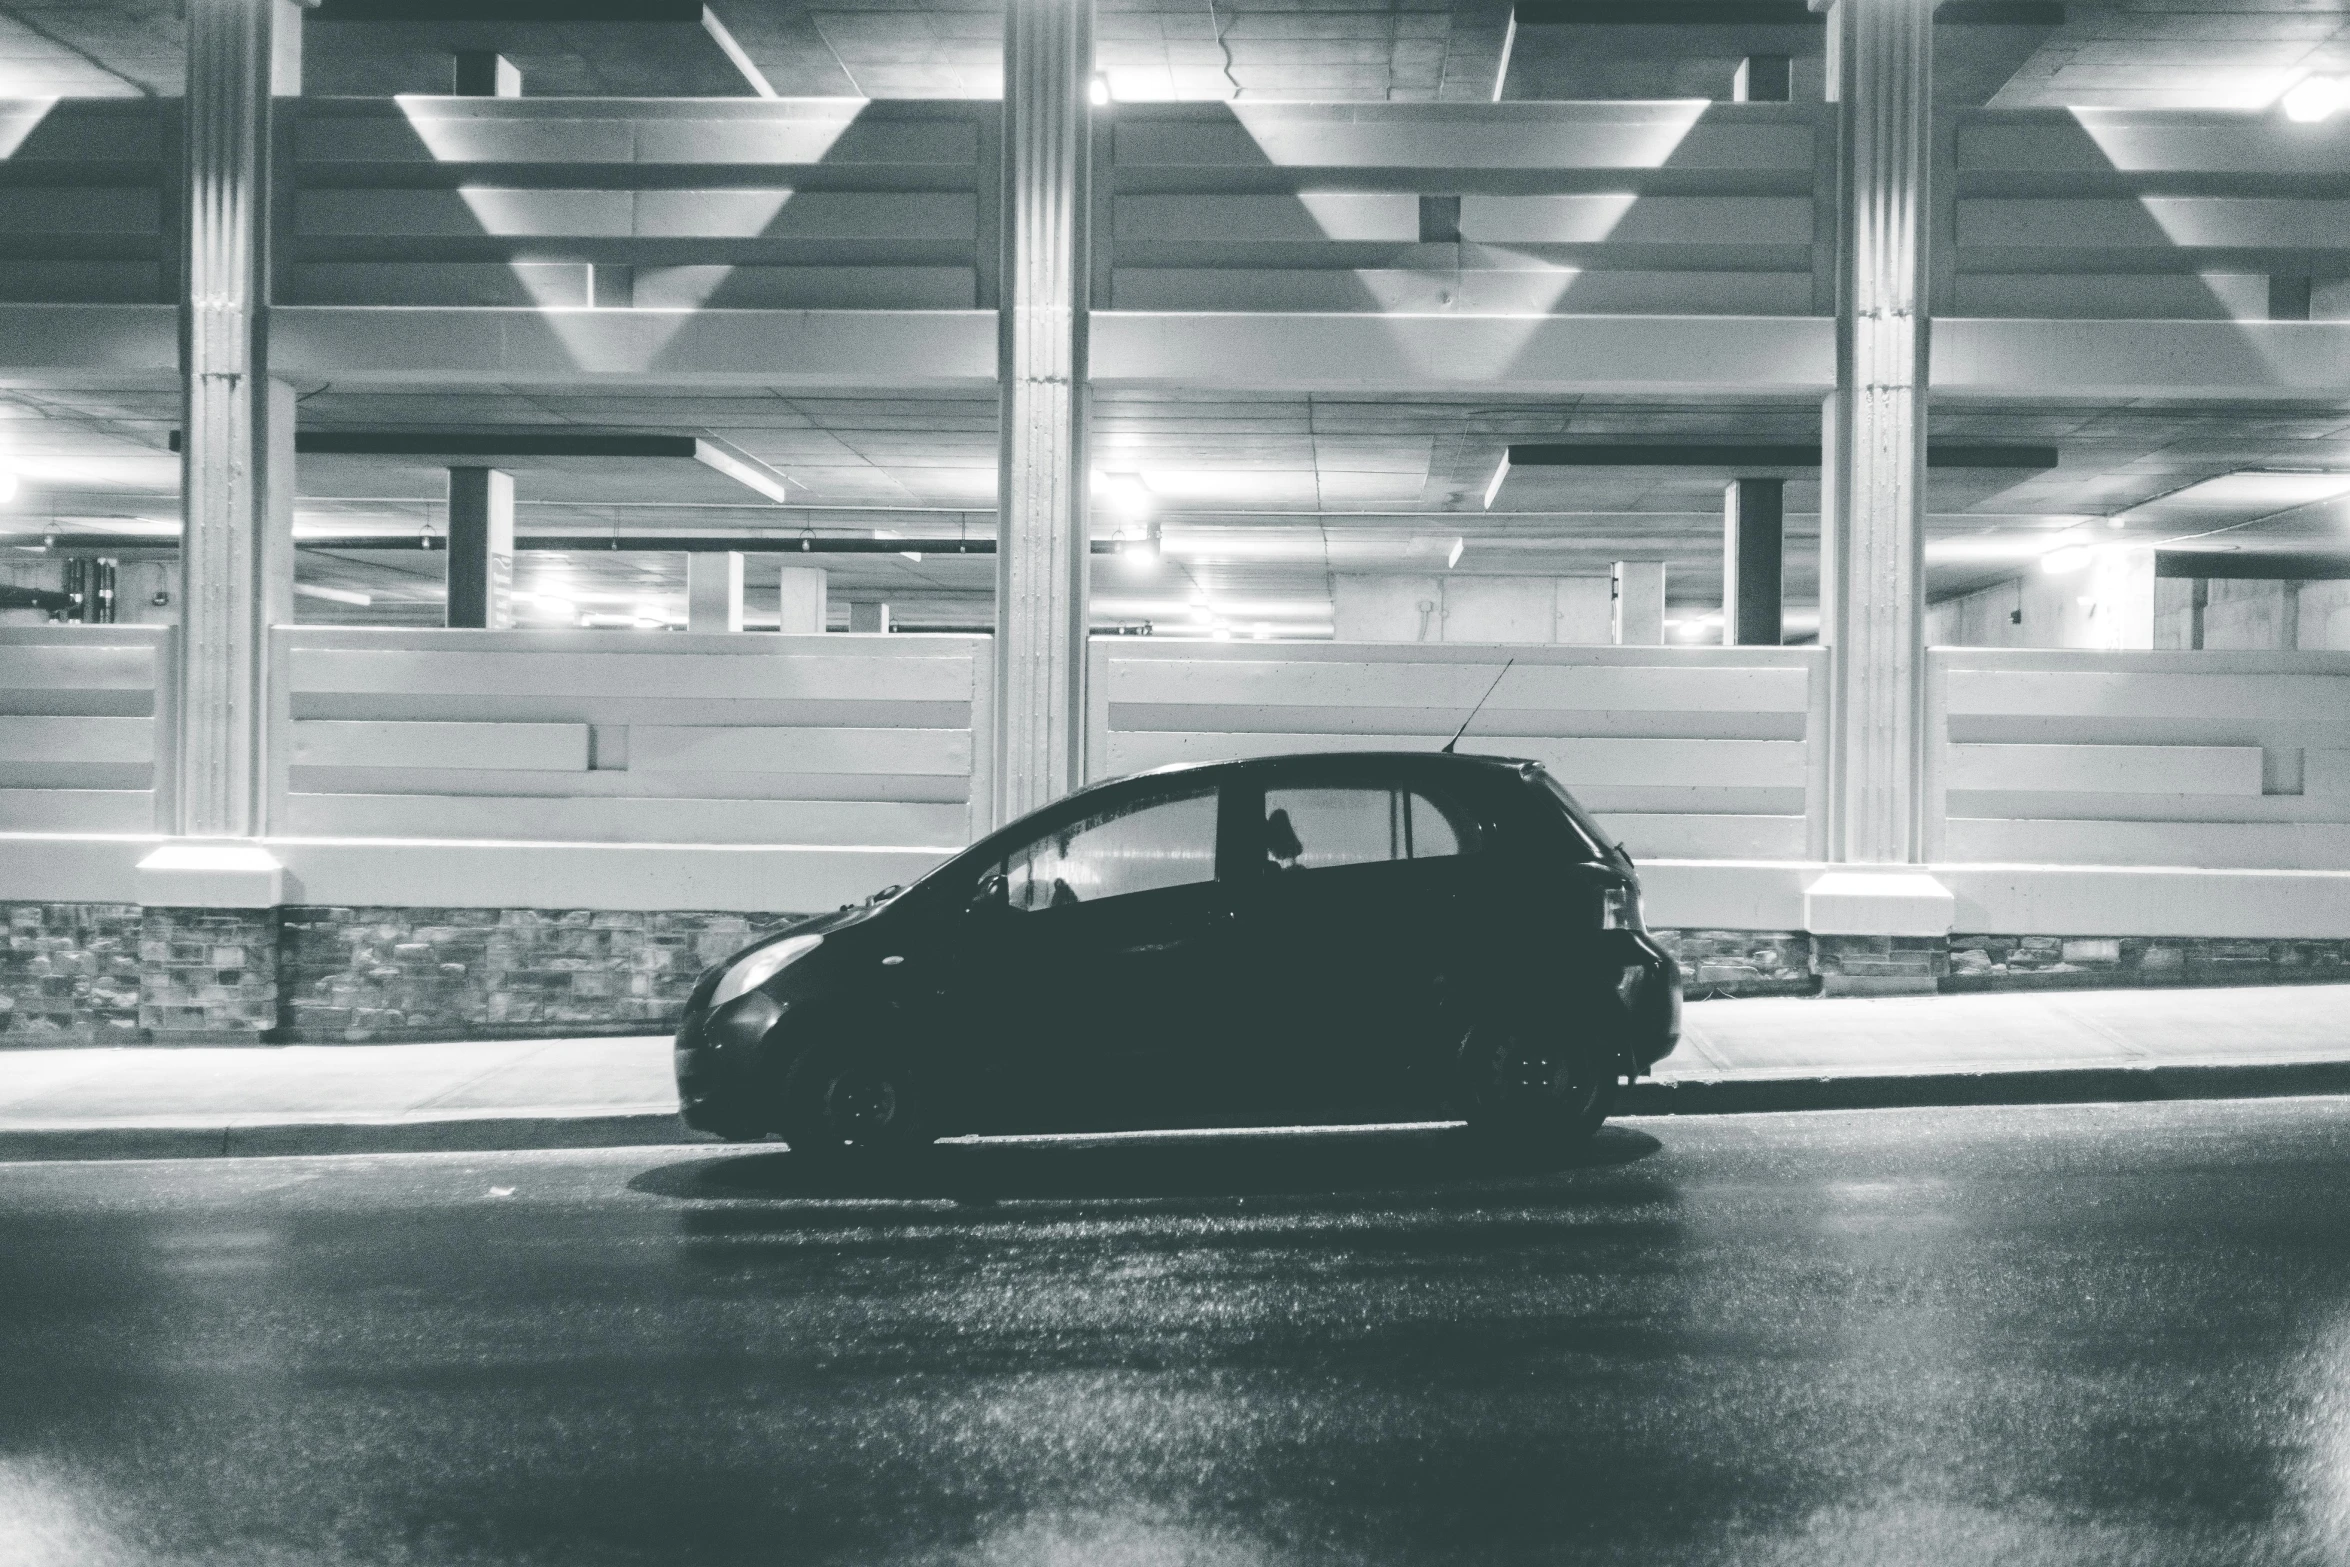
(2067, 1335)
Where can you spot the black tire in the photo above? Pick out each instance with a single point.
(853, 1101)
(1536, 1089)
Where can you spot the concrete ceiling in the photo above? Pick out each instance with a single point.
(2136, 53)
(1260, 499)
(1325, 483)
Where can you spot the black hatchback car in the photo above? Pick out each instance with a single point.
(1291, 940)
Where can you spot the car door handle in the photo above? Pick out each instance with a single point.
(1168, 945)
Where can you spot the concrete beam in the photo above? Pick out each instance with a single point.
(2176, 359)
(1269, 351)
(364, 345)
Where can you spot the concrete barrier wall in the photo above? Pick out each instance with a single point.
(591, 737)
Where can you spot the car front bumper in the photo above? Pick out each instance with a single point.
(720, 1057)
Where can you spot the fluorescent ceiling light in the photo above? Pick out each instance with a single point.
(2315, 98)
(1992, 548)
(311, 590)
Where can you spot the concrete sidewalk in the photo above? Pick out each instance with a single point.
(1734, 1056)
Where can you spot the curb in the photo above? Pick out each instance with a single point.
(1928, 1090)
(266, 1139)
(1676, 1096)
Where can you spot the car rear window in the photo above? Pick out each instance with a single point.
(1602, 847)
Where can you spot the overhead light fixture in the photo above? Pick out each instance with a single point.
(1101, 90)
(311, 590)
(1141, 552)
(2315, 98)
(2071, 558)
(1125, 491)
(7, 484)
(1452, 557)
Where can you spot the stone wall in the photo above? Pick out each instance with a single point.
(108, 973)
(2074, 963)
(70, 975)
(386, 973)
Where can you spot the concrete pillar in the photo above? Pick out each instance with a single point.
(1637, 604)
(869, 617)
(481, 548)
(1870, 786)
(799, 601)
(1586, 610)
(1042, 556)
(1753, 524)
(1873, 473)
(213, 887)
(1764, 78)
(237, 464)
(481, 73)
(714, 592)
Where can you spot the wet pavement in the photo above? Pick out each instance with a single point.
(2073, 1334)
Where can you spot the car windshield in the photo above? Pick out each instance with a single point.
(1602, 847)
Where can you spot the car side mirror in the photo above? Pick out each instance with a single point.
(992, 895)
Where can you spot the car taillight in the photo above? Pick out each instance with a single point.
(1619, 909)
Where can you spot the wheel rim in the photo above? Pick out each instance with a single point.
(1526, 1075)
(860, 1105)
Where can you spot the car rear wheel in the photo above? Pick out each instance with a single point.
(853, 1101)
(1536, 1088)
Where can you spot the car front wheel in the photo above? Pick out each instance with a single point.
(1536, 1088)
(853, 1100)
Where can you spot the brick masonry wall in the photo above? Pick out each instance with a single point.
(355, 974)
(70, 974)
(1980, 962)
(103, 973)
(1741, 962)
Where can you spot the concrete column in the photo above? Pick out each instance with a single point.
(1873, 494)
(1041, 552)
(1586, 610)
(1873, 471)
(714, 592)
(481, 548)
(237, 465)
(1753, 524)
(1638, 604)
(482, 73)
(869, 617)
(799, 601)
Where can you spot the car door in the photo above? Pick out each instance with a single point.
(1088, 965)
(1352, 924)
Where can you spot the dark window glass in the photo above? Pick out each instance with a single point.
(1315, 829)
(1139, 847)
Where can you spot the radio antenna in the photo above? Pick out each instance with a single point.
(1474, 711)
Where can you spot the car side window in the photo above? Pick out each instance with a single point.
(1142, 846)
(1315, 829)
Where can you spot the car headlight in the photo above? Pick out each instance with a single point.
(759, 967)
(1619, 909)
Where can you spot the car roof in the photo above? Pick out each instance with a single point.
(1368, 760)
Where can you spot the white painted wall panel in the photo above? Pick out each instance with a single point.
(626, 820)
(1579, 763)
(77, 810)
(2217, 845)
(77, 740)
(2107, 769)
(1708, 837)
(2231, 698)
(493, 747)
(75, 661)
(1605, 218)
(701, 748)
(564, 671)
(1271, 682)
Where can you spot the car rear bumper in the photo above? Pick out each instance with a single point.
(1654, 1007)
